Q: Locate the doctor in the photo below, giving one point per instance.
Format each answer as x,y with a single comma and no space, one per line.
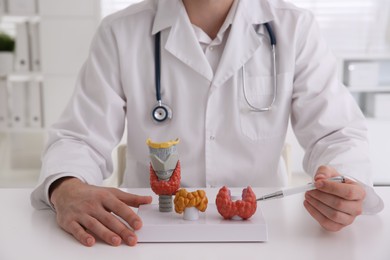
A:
217,71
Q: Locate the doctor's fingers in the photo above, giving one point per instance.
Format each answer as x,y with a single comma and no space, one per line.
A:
330,218
324,172
94,226
122,210
113,224
350,207
349,190
78,232
102,224
131,199
321,219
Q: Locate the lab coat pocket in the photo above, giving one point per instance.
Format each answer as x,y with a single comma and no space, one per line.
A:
259,92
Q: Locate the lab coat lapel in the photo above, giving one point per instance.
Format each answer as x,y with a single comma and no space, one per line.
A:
183,44
181,41
243,40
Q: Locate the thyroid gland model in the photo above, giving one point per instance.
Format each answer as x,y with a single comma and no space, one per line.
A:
190,203
164,172
231,207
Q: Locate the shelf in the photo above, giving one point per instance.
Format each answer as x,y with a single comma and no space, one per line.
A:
19,178
377,119
8,18
27,130
27,76
381,89
356,56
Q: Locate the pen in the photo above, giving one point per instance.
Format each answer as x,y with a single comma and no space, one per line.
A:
299,189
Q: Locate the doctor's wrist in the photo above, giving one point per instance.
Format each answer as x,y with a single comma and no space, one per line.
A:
59,184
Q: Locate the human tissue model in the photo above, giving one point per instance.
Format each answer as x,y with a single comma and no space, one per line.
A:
190,203
242,208
164,172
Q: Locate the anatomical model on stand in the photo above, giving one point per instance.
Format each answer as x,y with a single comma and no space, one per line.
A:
164,172
165,178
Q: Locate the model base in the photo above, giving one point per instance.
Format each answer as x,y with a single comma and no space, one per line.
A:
210,227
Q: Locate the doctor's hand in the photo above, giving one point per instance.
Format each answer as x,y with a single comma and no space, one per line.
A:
85,211
334,205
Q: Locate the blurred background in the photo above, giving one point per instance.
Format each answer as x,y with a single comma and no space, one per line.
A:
43,44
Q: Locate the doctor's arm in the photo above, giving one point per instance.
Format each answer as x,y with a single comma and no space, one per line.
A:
78,154
331,128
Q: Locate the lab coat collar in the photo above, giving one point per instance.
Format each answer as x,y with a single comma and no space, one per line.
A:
256,12
243,40
182,42
167,14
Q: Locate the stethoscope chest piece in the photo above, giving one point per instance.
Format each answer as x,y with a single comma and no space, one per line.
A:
161,112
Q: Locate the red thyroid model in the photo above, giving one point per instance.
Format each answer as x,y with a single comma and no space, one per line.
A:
244,208
165,187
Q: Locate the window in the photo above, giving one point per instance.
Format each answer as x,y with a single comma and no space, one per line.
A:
110,6
352,25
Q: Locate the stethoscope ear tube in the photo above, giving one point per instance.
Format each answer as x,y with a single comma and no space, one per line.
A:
271,34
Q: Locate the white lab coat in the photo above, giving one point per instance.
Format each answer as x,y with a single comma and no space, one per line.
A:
222,141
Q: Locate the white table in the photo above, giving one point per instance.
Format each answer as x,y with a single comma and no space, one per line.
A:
29,234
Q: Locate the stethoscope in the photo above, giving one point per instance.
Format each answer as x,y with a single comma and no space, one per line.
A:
252,107
161,112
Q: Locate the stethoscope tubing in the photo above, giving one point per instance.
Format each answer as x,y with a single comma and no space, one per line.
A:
161,112
157,65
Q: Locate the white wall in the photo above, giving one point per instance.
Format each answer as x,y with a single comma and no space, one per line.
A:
378,134
67,28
